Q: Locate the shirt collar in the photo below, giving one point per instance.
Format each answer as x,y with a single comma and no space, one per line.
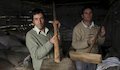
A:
40,31
92,25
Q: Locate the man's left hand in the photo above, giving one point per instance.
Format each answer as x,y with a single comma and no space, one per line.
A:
102,33
58,23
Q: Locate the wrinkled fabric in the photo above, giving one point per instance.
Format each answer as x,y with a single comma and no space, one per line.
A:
109,62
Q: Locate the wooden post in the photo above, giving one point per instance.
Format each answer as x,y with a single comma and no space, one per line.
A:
56,45
56,64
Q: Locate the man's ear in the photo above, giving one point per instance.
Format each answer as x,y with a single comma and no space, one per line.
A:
32,21
82,15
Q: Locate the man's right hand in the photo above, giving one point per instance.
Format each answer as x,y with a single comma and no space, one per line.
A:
52,39
90,41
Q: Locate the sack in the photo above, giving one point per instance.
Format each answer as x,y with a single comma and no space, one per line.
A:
25,65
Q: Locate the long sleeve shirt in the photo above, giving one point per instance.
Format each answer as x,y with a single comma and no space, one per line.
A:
39,46
81,34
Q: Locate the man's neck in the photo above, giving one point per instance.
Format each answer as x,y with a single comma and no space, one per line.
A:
43,29
88,23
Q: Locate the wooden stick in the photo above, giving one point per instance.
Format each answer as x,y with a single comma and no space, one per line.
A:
90,48
56,45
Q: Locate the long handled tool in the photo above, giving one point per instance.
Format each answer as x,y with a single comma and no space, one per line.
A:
56,63
56,45
88,57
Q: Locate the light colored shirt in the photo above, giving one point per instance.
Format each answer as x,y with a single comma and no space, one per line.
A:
92,25
40,31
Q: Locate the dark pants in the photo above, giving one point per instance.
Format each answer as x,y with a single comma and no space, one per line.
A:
85,66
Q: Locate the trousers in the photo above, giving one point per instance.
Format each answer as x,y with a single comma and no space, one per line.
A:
85,66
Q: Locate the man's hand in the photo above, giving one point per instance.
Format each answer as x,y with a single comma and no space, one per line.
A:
102,33
90,41
58,23
52,39
58,38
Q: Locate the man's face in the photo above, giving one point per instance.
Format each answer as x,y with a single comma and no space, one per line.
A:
87,15
38,20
